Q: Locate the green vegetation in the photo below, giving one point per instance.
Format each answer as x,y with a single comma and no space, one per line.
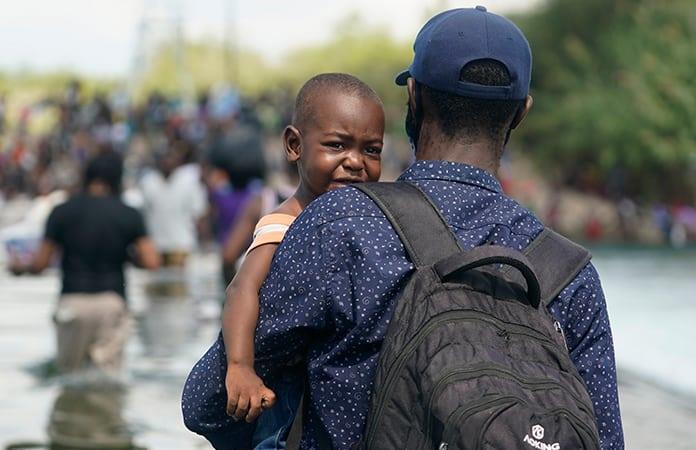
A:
615,105
202,65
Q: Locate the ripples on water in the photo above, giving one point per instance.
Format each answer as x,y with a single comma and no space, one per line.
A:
139,410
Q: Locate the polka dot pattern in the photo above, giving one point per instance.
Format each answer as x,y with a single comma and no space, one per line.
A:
334,279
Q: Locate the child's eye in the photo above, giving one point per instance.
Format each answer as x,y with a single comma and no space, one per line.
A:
373,150
335,145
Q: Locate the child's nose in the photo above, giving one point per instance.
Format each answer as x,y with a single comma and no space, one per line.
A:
353,161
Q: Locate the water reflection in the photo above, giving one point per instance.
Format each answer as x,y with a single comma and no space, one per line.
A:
87,415
169,319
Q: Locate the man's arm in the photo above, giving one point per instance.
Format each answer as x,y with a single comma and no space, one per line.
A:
53,235
145,255
42,259
582,310
292,300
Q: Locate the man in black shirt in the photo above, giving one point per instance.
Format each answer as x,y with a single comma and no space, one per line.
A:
95,233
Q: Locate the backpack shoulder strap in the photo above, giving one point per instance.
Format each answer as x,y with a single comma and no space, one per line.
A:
419,224
294,438
556,260
426,237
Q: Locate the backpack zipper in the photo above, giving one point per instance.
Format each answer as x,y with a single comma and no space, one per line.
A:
424,331
559,329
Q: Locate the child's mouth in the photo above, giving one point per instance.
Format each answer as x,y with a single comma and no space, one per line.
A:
342,182
346,181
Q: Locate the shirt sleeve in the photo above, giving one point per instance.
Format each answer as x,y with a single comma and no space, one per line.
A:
54,227
582,310
292,301
138,226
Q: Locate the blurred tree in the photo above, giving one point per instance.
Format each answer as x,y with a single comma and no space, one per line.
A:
203,67
615,106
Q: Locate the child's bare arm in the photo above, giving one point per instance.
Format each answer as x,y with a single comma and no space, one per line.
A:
241,311
246,394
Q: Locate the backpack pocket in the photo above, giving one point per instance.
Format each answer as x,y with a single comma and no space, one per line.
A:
461,418
505,423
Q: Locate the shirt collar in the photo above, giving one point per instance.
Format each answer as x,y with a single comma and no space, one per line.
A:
451,171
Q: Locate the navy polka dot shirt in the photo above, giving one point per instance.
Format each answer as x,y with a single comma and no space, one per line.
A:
334,278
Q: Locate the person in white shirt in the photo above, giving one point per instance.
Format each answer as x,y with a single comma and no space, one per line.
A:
173,201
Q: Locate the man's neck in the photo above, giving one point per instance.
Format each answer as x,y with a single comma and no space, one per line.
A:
481,154
98,189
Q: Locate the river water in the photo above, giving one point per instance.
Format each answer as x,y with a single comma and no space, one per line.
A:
650,296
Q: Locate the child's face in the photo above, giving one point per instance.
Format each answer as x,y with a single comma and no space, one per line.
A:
342,144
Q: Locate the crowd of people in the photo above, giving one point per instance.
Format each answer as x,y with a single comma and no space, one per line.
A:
188,167
109,184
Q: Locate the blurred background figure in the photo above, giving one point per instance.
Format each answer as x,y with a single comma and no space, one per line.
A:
262,203
236,166
94,232
173,202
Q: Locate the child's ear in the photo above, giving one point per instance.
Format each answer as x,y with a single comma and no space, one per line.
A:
292,142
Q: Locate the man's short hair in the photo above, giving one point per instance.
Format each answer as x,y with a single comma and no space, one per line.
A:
321,84
107,168
460,117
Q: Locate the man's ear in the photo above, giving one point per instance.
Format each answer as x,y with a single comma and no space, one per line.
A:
522,112
411,88
292,142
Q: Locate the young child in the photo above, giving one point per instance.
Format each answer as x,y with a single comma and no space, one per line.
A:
335,139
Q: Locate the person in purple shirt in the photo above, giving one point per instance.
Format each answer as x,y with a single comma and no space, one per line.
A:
336,276
234,173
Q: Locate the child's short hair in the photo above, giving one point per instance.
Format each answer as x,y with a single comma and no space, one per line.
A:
318,84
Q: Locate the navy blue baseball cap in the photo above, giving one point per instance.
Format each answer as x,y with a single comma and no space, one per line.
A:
454,38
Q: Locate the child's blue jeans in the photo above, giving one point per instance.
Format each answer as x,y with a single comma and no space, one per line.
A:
204,402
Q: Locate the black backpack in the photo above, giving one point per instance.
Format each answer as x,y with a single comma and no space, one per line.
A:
472,358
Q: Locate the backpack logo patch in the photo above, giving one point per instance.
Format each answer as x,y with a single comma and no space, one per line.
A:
537,436
538,432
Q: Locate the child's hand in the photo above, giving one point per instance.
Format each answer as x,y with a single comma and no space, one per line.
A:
247,396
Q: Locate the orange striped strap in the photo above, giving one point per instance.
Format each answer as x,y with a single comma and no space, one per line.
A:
271,229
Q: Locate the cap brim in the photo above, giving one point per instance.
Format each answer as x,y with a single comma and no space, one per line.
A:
402,77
